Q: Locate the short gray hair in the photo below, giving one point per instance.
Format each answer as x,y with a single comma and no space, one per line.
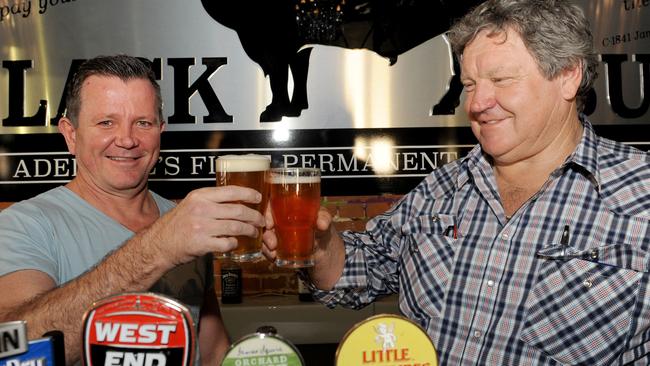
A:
122,66
555,32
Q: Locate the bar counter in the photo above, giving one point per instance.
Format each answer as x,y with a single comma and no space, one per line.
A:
299,322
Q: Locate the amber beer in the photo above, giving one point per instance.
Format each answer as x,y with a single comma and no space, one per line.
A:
295,199
246,171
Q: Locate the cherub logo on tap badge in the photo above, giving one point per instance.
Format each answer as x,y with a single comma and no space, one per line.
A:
386,340
138,329
385,336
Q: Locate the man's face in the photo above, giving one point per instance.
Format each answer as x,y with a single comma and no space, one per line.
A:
117,140
516,113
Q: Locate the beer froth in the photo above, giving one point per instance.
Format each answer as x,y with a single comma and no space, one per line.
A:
242,163
292,179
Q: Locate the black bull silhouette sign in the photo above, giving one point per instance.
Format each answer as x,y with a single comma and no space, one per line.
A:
277,36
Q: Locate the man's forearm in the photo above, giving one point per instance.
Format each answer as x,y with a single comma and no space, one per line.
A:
132,267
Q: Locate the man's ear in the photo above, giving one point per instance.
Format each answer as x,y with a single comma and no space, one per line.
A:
68,131
163,125
571,79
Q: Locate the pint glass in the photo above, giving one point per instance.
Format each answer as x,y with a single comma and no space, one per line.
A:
295,199
246,171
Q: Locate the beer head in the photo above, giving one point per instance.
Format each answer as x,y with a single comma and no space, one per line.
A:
242,163
294,176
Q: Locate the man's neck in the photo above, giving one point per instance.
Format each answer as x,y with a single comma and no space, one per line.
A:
134,209
519,181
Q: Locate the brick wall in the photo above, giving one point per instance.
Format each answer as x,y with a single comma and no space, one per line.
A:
349,212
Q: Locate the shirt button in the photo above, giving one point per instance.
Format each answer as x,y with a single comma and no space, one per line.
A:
490,283
477,334
435,218
505,236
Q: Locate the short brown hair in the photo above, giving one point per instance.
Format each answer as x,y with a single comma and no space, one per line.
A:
122,66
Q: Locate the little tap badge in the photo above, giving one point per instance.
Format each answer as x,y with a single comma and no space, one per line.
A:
386,340
138,329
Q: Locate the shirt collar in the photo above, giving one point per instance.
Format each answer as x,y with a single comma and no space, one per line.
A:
585,155
473,158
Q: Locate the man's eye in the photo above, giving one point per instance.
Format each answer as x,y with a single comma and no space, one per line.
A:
105,123
502,80
468,86
144,124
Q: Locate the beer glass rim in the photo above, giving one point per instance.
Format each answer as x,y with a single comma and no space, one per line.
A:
279,169
312,172
243,157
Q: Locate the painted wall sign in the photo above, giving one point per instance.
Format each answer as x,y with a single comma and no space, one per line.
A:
364,90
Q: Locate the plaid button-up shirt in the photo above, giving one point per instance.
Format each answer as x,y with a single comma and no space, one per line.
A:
564,281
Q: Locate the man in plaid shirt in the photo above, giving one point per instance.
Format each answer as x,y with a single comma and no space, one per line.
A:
532,249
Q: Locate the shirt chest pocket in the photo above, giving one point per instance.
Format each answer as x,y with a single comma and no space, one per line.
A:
427,256
580,311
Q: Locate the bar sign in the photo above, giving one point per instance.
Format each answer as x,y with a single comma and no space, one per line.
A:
13,338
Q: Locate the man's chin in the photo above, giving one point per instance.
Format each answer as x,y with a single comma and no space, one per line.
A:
129,185
497,151
493,146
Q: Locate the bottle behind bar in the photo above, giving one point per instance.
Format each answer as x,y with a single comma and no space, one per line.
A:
231,282
303,291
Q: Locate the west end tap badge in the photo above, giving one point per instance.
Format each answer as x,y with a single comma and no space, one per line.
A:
139,329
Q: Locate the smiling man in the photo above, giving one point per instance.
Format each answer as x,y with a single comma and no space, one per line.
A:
532,249
105,232
525,121
114,154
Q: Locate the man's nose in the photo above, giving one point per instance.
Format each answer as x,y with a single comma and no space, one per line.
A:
126,137
482,98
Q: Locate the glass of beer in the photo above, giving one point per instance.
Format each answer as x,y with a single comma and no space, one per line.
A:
295,200
247,171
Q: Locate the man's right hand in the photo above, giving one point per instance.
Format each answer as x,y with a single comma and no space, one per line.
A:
207,220
329,252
